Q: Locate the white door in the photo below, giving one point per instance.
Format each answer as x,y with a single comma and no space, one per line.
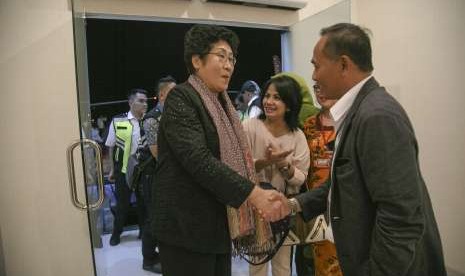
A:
41,231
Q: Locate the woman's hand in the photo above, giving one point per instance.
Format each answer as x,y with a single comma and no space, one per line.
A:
273,155
286,169
271,204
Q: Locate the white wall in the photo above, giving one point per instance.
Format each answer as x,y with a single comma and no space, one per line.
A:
303,35
200,10
419,56
2,258
192,10
316,6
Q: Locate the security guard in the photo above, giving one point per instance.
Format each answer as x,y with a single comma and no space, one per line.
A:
123,137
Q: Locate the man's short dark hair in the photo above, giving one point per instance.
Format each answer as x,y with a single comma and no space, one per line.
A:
163,82
132,93
250,86
289,91
200,39
350,40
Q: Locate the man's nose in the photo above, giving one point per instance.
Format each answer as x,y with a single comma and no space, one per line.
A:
313,76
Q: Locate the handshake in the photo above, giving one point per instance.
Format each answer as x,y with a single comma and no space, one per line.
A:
271,204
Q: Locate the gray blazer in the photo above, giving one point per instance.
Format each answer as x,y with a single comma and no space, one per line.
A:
381,214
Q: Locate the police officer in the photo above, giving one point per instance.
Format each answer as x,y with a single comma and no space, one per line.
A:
123,137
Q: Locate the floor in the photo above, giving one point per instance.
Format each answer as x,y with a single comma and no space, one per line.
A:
126,259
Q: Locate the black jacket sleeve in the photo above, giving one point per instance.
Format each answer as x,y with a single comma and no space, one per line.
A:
314,202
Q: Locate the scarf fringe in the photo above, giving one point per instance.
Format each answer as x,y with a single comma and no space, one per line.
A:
255,252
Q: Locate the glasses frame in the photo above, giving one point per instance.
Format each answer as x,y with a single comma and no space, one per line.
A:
223,58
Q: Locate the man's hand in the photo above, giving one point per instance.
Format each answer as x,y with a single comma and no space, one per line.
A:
269,204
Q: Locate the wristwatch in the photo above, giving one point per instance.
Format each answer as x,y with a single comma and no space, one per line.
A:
293,206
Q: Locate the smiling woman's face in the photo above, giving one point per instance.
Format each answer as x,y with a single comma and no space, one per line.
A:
273,105
214,72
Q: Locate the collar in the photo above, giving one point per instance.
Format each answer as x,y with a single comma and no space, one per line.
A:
159,107
339,110
131,116
251,100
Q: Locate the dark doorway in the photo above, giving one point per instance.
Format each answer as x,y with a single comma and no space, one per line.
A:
125,54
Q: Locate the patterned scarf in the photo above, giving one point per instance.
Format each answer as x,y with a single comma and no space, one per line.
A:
250,235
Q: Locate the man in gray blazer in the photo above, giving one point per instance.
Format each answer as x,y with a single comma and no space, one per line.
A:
379,211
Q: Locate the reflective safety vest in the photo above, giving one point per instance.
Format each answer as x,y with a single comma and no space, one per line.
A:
123,130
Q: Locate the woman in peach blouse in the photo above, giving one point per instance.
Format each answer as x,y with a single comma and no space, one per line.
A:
280,151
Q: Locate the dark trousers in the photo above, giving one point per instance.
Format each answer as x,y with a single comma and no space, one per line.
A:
177,261
304,260
123,204
144,199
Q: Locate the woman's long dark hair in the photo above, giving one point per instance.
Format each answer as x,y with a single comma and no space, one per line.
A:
289,91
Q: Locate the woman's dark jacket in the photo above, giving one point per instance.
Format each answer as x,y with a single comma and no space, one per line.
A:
192,186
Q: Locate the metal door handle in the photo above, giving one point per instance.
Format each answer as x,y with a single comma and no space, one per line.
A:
72,175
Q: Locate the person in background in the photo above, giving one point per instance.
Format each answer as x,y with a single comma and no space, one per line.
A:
308,108
320,134
147,157
94,133
380,215
205,180
250,92
241,107
275,133
101,124
303,253
122,141
164,86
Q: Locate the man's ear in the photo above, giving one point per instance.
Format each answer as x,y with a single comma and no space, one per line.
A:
347,65
344,60
196,62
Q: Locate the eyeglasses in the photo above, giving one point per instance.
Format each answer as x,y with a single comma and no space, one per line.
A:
223,57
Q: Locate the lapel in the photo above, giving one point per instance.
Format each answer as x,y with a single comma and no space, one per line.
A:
370,85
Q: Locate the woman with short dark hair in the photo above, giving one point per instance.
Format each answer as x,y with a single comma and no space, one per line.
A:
205,180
